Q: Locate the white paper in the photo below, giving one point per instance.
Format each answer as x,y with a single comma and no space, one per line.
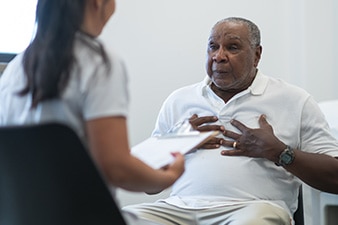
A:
156,151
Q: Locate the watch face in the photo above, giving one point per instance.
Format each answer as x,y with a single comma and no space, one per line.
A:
286,158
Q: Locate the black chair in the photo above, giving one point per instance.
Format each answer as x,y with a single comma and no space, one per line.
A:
299,214
48,178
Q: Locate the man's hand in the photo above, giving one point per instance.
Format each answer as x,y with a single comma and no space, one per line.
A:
257,143
204,124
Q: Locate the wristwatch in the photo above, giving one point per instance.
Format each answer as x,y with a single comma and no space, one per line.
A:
286,157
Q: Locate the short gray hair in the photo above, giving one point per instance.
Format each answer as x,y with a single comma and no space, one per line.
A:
254,33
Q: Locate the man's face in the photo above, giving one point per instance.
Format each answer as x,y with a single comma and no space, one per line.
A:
231,60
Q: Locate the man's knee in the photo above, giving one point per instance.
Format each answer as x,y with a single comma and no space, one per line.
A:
261,214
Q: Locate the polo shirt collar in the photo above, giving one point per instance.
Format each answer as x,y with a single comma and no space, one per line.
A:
259,84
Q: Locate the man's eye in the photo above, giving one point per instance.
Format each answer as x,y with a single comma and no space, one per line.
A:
212,47
233,47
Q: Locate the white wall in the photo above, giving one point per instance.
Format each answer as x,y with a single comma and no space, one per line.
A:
164,42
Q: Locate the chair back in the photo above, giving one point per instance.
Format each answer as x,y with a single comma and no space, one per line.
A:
298,216
48,178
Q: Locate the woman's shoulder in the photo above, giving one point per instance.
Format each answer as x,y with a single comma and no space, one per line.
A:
14,70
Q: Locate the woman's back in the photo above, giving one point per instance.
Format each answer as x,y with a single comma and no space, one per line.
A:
93,90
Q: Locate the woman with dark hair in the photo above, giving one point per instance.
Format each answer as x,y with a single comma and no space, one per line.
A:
65,75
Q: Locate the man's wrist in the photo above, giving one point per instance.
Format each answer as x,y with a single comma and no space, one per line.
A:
286,157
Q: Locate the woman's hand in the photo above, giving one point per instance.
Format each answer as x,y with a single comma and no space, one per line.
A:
172,171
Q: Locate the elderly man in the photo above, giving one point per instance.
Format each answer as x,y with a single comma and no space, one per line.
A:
273,137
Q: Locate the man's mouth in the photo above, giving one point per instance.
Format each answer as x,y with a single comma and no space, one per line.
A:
220,71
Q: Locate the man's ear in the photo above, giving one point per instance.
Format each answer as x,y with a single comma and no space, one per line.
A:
258,53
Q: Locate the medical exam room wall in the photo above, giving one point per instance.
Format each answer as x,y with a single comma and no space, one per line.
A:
164,43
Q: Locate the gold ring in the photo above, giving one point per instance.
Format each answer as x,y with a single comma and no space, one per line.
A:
234,144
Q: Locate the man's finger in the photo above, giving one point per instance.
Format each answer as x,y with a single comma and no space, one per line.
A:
263,123
205,119
194,116
231,134
233,153
239,125
210,127
210,146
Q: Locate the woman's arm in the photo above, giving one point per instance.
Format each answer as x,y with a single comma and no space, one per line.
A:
109,147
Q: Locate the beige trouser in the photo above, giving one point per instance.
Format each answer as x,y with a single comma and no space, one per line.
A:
241,214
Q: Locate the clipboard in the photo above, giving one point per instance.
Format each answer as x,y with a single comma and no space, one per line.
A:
156,151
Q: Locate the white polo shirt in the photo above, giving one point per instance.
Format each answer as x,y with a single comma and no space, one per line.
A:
211,179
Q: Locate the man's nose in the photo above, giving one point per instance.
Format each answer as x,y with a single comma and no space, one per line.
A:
220,55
